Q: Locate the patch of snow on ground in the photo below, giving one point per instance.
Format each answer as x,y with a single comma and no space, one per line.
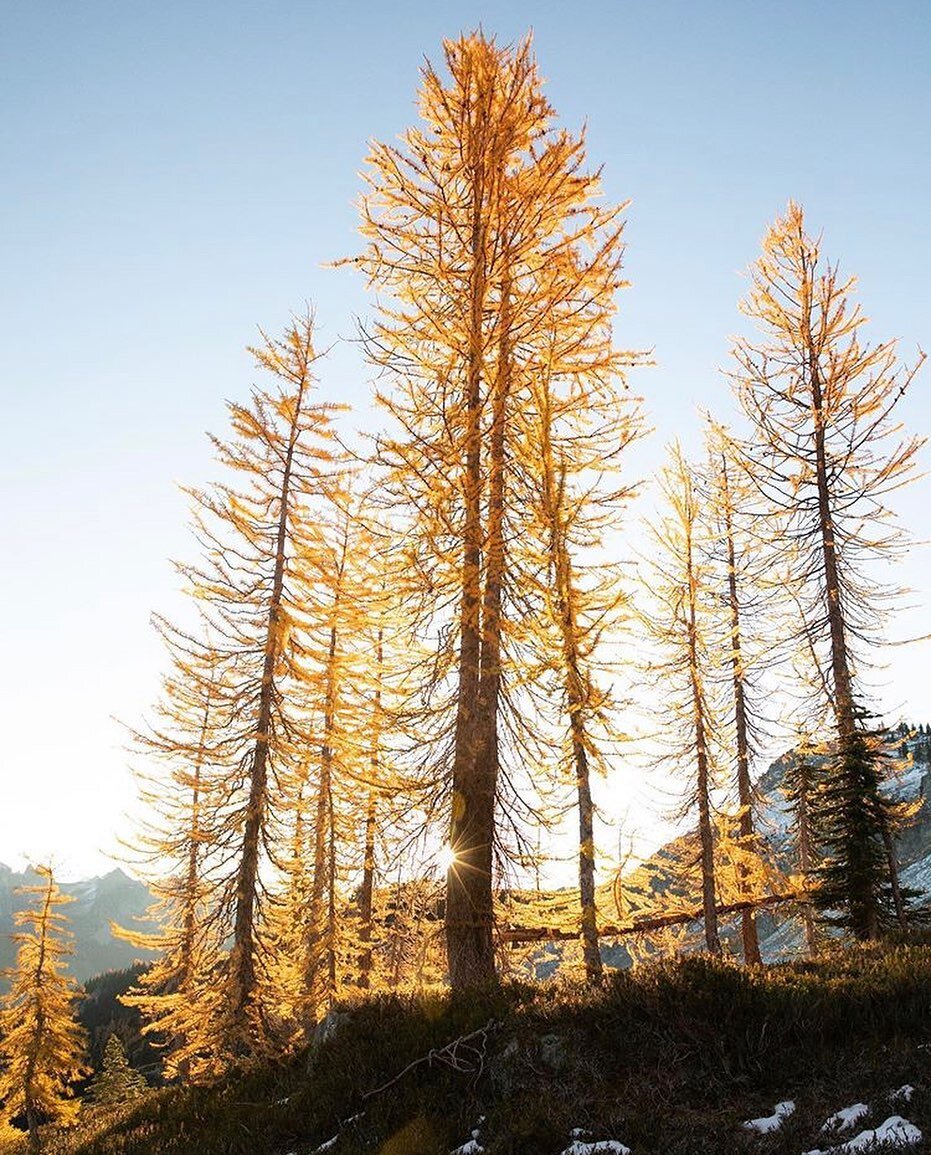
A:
845,1118
578,1146
894,1132
470,1146
331,1142
769,1123
902,1095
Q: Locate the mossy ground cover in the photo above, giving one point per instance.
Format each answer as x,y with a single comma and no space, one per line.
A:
668,1059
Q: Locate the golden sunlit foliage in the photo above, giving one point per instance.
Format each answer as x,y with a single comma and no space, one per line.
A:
825,455
410,662
42,1047
189,755
242,678
679,624
498,265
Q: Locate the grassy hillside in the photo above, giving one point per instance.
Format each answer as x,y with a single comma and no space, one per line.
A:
669,1058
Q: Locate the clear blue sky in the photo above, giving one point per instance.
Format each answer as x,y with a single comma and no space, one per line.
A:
174,174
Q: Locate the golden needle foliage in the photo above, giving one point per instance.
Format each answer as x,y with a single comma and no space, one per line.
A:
42,1047
484,234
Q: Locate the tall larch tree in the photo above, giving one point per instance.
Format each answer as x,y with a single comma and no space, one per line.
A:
461,220
42,1046
678,616
256,531
337,754
827,453
740,565
582,424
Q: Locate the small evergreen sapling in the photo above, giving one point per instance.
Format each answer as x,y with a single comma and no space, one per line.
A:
858,879
117,1081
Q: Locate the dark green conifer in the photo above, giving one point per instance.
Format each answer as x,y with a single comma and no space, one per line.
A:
858,886
117,1081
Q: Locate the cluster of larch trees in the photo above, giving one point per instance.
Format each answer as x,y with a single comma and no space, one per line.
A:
415,641
378,647
766,566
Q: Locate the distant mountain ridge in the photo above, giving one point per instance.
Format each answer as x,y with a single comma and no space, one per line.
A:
97,901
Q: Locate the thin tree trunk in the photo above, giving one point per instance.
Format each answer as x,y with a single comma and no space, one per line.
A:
469,912
193,863
32,1125
866,925
320,883
397,939
38,1042
576,696
703,776
331,901
899,903
366,896
749,936
242,956
706,836
192,878
322,930
591,952
840,668
317,889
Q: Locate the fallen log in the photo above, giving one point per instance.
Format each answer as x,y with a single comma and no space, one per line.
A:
516,934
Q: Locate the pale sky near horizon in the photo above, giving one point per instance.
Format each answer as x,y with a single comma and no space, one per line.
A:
176,174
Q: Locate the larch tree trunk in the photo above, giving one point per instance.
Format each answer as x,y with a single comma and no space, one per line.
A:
865,901
748,931
576,686
324,847
803,837
469,908
366,896
367,889
702,765
242,956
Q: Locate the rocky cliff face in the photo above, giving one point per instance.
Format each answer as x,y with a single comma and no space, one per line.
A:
97,901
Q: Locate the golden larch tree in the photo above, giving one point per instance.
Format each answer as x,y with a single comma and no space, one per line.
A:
678,616
582,425
256,531
827,453
739,567
187,755
42,1046
463,221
